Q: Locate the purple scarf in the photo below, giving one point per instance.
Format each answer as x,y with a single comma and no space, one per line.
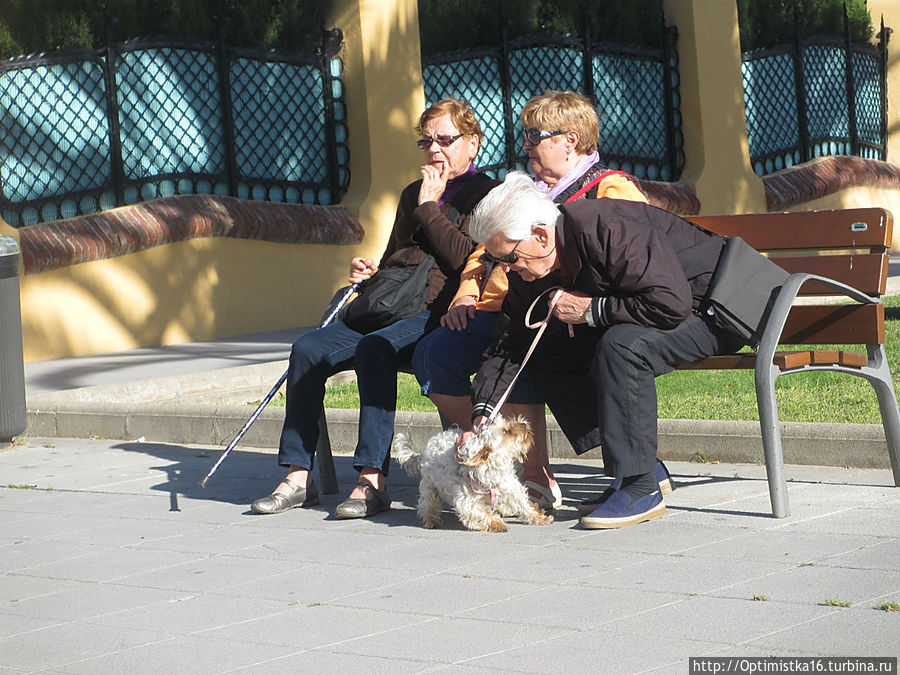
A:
454,185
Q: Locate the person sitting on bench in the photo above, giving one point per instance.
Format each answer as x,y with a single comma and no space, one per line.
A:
432,219
633,277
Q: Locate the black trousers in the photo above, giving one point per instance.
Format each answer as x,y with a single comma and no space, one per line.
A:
601,385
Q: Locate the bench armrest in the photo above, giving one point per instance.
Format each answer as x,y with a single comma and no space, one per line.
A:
785,300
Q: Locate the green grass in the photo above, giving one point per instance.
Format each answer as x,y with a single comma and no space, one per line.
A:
889,607
835,602
720,394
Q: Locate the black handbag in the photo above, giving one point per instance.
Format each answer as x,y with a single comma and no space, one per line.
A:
391,294
742,290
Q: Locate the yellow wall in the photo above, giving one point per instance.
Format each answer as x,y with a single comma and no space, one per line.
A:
177,293
218,287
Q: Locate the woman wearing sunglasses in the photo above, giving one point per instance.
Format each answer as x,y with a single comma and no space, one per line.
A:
432,219
560,137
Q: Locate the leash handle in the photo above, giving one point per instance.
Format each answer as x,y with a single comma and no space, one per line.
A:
541,326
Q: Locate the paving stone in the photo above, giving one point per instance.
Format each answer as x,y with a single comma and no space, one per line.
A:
323,626
182,614
450,640
682,574
195,654
862,631
68,643
572,607
812,584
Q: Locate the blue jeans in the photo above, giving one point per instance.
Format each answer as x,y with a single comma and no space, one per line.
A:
445,359
375,358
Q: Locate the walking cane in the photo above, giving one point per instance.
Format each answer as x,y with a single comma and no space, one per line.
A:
271,394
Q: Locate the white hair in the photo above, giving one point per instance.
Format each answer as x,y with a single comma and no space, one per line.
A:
511,209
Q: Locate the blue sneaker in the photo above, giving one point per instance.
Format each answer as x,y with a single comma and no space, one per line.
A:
660,472
620,509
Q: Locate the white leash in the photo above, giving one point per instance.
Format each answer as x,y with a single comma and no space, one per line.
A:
541,326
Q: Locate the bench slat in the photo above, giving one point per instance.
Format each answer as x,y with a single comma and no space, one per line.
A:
835,325
816,229
784,360
866,272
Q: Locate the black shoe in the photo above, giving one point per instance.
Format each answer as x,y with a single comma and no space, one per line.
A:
277,502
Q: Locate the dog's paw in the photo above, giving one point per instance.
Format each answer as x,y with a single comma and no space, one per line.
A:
432,524
495,525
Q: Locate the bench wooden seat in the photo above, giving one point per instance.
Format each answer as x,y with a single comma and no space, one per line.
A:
840,253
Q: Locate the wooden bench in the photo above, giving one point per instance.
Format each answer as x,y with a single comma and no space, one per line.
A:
828,253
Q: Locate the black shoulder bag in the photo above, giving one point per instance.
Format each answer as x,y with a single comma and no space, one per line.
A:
742,290
391,294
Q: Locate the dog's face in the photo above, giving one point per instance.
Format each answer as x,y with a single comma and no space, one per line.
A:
505,440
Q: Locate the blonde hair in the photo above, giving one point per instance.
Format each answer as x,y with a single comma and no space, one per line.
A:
461,114
564,111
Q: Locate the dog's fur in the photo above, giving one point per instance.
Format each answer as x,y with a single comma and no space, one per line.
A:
482,485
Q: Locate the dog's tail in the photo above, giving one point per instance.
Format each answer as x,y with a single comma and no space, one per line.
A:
405,455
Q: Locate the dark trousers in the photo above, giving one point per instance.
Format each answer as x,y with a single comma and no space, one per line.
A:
601,385
375,358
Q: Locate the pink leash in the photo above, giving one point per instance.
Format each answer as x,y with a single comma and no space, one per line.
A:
541,326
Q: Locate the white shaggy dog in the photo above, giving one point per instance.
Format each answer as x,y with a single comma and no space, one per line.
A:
482,484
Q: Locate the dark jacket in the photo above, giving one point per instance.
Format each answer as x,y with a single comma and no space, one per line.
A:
652,267
425,230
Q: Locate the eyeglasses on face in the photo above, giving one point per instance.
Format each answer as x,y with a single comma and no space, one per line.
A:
510,258
443,141
534,135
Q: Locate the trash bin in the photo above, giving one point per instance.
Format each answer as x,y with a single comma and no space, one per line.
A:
12,367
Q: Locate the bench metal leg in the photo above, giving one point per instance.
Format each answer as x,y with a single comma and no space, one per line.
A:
327,475
880,378
770,428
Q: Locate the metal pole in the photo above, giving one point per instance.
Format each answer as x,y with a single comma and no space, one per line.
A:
506,91
12,369
800,92
112,113
223,59
851,86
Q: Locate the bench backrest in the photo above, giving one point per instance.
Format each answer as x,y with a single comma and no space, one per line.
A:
847,245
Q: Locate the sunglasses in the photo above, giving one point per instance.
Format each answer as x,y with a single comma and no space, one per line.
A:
443,141
534,135
510,258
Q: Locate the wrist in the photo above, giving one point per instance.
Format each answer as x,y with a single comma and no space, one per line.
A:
593,313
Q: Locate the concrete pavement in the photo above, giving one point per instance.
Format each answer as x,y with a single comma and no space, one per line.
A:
115,561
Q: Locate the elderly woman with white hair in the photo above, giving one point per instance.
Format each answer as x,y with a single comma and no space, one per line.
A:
632,278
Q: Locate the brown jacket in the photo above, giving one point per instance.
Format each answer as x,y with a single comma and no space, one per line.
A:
422,230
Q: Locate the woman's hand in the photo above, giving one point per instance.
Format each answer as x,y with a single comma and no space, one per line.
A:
466,436
571,307
460,313
434,182
361,269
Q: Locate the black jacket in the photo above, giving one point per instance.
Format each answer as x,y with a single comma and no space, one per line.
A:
652,267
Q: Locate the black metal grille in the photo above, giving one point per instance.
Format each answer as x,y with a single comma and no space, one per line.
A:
636,91
802,102
42,107
84,132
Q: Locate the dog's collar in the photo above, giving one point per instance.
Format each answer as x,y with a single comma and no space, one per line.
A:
490,495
